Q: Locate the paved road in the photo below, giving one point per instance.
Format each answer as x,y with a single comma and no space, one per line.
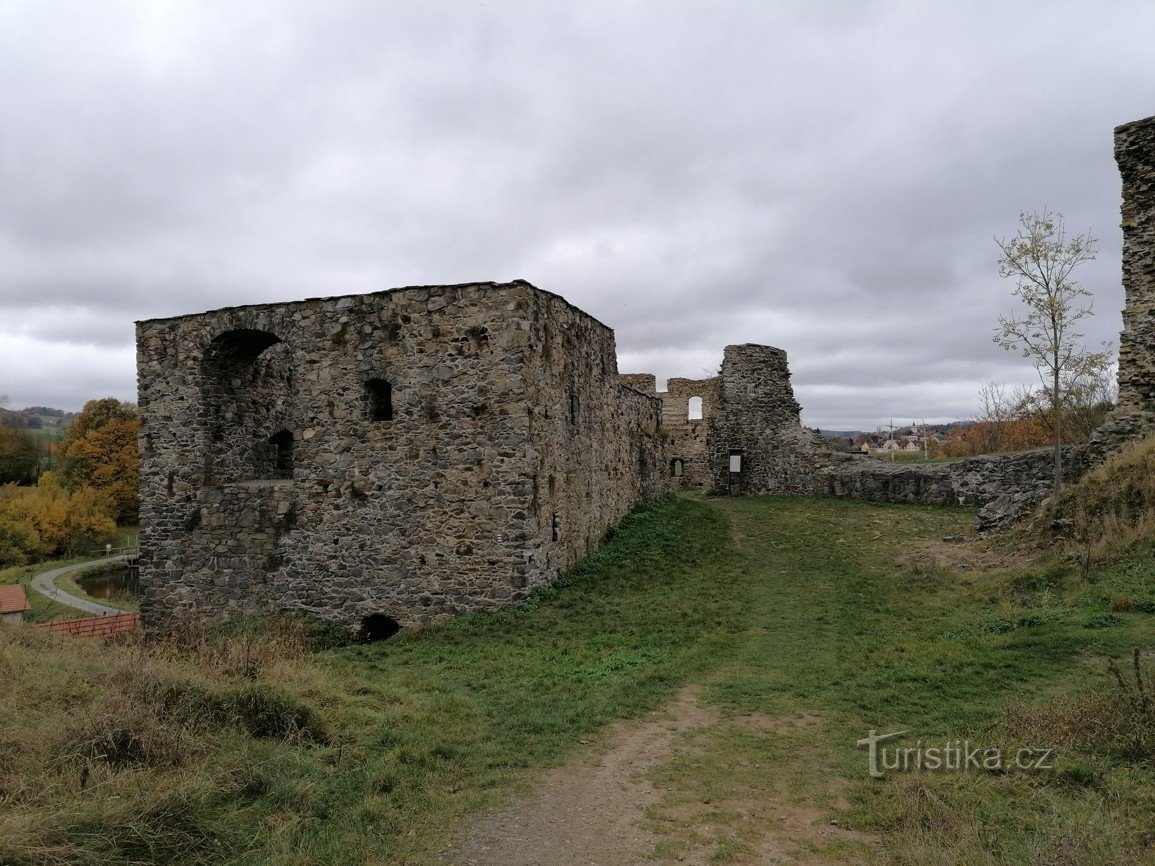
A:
44,584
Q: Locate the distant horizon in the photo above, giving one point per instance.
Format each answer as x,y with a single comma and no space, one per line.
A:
876,428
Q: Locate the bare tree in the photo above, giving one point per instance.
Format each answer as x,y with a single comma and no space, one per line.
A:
1088,399
1041,259
996,412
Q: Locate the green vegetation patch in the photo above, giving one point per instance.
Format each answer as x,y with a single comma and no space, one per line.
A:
803,623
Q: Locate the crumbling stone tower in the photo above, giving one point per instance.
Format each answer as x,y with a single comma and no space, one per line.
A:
757,442
744,434
381,460
1135,411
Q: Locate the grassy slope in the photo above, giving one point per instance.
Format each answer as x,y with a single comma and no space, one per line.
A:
259,754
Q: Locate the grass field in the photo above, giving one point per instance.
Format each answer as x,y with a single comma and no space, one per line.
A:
850,616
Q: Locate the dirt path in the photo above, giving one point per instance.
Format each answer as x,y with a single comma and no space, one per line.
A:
597,809
586,812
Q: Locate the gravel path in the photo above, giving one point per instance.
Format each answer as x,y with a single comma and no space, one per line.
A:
46,586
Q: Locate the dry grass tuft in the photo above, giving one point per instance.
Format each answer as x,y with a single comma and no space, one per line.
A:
1117,721
1111,507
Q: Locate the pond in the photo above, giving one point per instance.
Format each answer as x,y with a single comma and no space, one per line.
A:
120,583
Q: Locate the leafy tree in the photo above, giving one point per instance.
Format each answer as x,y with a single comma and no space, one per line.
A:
99,450
48,520
19,456
1041,259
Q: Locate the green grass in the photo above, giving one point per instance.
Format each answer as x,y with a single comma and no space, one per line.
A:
46,434
246,752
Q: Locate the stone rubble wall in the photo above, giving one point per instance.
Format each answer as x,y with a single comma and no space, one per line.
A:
687,437
442,509
758,419
1005,487
595,449
1134,415
644,383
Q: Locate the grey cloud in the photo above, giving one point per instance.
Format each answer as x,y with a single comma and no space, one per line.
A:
825,177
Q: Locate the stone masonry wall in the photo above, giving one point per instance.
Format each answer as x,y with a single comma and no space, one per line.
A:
384,454
748,409
757,421
1135,410
1005,486
686,436
595,453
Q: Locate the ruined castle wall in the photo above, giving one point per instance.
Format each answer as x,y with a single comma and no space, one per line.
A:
374,454
757,422
1135,410
687,437
595,449
646,383
1018,481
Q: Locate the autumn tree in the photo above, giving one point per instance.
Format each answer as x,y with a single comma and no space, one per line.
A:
19,456
99,450
1089,399
1041,258
48,520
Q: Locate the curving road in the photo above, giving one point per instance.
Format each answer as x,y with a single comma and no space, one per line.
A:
45,585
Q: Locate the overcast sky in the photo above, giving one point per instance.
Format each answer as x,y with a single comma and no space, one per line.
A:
825,177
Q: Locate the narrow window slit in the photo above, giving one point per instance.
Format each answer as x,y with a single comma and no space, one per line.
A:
379,395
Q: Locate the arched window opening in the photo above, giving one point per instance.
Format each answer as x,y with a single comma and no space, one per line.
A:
695,409
677,467
376,627
240,346
379,398
247,389
281,458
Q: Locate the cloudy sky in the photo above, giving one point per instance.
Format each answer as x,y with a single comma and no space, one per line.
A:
822,176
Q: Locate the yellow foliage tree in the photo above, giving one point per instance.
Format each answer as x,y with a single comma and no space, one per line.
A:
99,450
49,520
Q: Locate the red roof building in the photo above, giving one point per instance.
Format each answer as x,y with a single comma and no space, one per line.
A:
13,603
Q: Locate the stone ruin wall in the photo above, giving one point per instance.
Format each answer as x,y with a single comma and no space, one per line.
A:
748,410
595,450
1134,414
268,486
689,437
759,424
686,438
